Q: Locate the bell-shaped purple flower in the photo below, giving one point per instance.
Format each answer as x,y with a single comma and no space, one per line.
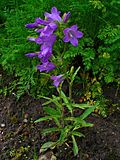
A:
49,29
40,21
39,40
45,54
31,25
71,35
47,66
66,16
31,55
57,80
54,16
48,41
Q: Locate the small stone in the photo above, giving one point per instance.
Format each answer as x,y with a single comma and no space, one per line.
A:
13,94
25,120
2,125
48,156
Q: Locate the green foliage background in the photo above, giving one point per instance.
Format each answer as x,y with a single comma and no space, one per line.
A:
98,51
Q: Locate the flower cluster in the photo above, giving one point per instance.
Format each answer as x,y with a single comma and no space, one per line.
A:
47,37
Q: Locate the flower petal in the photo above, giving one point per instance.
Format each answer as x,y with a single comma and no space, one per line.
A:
56,83
74,41
39,40
66,39
65,31
57,80
79,34
56,77
74,27
54,10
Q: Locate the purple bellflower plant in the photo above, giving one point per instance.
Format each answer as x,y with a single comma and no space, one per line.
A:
51,60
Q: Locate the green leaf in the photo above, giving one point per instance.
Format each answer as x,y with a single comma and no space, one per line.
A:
62,137
86,124
81,123
47,102
81,106
87,112
66,101
43,119
56,120
50,130
69,119
78,122
45,74
64,97
74,75
47,145
75,147
75,133
54,100
44,97
64,134
52,111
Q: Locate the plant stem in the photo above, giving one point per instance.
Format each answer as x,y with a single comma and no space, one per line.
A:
70,90
116,93
62,108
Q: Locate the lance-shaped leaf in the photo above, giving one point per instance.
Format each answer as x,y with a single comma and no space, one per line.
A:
81,106
50,130
54,100
74,75
43,119
53,112
78,134
75,147
87,112
66,101
64,134
47,145
79,123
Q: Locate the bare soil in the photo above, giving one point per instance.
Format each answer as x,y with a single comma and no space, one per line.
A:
21,139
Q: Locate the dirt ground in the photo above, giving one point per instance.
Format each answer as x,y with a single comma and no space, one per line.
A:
21,139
